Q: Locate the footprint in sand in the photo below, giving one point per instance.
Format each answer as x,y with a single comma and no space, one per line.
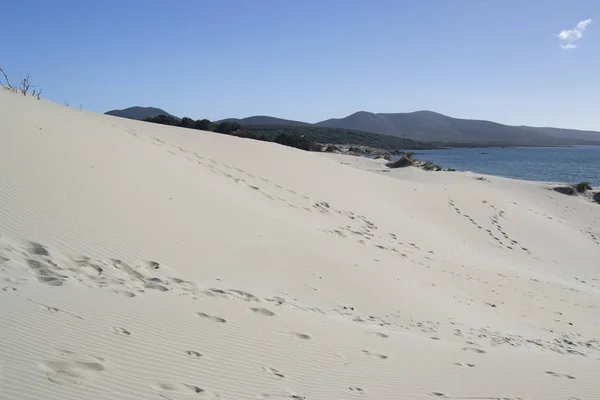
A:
244,295
71,371
153,264
153,284
38,250
211,317
356,390
474,350
303,336
45,272
239,294
193,354
177,387
379,334
282,396
557,375
262,311
121,331
464,365
124,293
382,356
273,372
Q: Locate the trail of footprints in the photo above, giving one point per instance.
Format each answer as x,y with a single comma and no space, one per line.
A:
150,276
363,233
358,226
70,368
118,276
503,239
594,235
78,370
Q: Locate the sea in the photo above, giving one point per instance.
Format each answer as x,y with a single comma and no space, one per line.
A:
572,164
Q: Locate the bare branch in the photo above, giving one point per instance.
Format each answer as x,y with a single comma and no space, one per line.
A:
39,93
25,85
6,77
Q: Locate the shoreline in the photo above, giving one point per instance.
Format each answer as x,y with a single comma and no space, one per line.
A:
388,157
378,165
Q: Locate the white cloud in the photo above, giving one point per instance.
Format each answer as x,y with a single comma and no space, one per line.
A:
568,36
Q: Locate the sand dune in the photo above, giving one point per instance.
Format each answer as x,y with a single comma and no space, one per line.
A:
140,261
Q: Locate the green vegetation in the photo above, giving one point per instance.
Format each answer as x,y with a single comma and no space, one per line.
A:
308,137
235,129
303,137
228,128
297,141
583,187
572,190
340,136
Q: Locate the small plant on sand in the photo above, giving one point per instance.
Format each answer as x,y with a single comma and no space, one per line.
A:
24,85
8,85
583,187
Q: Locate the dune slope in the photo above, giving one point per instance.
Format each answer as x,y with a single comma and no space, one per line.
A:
140,261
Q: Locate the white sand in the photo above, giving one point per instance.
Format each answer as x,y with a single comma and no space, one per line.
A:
140,261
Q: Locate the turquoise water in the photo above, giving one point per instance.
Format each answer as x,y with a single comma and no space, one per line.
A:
552,164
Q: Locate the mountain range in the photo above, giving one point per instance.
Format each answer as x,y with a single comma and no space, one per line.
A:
424,126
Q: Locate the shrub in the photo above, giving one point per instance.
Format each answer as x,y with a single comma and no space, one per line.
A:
203,125
297,141
164,120
583,187
228,127
186,122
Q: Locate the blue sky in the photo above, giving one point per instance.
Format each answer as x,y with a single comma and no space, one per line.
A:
313,59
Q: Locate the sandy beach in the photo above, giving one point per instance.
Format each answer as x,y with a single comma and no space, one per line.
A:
141,261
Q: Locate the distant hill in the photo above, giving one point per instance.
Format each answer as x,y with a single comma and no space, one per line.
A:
430,126
337,136
140,113
421,126
265,120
